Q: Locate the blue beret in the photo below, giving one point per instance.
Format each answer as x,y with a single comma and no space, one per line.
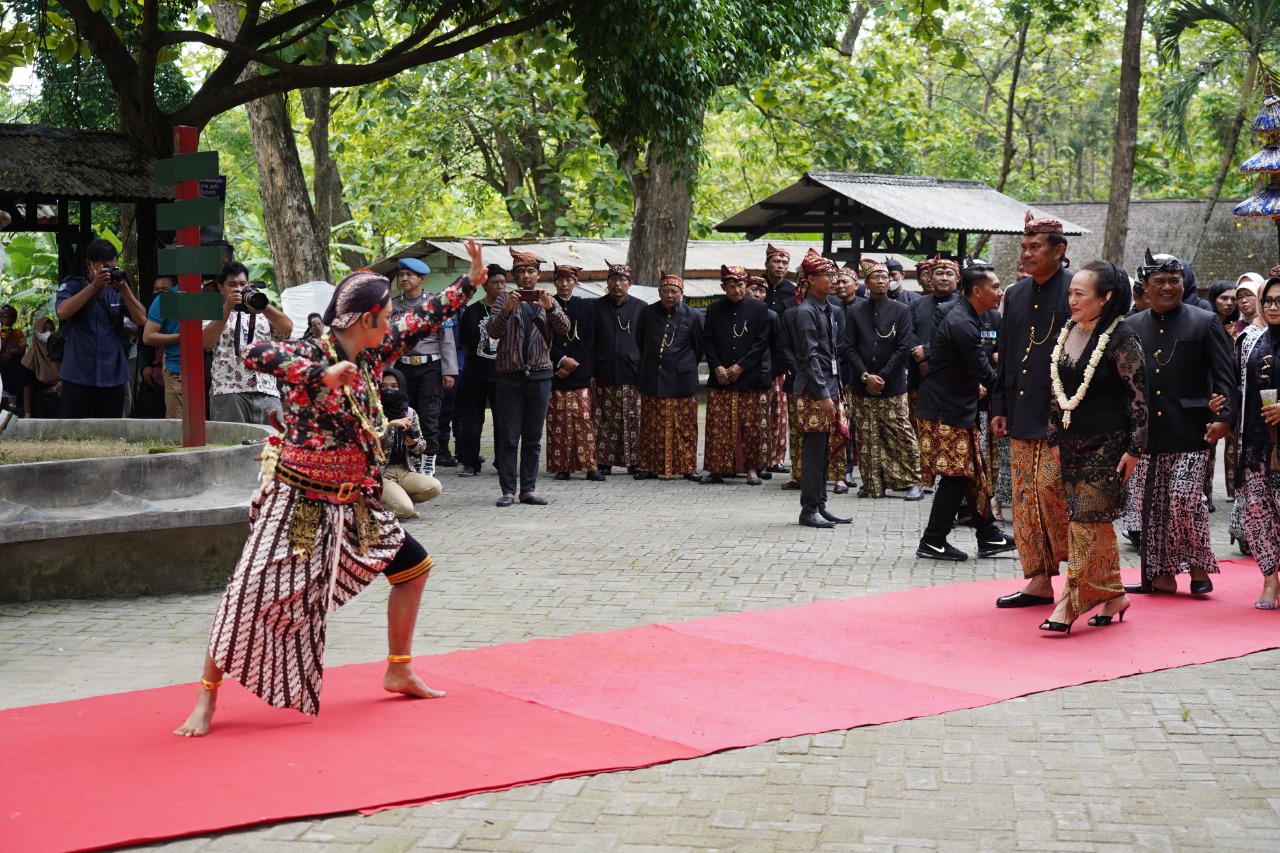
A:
415,265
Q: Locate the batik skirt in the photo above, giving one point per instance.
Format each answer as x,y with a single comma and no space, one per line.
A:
571,436
615,414
669,435
1259,499
805,415
777,430
1175,518
888,454
737,436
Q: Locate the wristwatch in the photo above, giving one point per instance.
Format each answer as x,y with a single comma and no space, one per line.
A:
864,377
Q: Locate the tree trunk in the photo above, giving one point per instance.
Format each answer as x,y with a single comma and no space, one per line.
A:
1229,154
1006,160
1117,231
331,208
298,253
660,223
854,26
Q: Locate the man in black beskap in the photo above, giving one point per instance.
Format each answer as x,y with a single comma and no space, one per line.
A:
669,334
946,421
479,378
571,437
736,340
615,400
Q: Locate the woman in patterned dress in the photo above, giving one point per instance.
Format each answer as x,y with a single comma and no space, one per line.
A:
319,532
1098,431
1258,476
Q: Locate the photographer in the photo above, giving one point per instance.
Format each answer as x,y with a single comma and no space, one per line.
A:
95,364
237,394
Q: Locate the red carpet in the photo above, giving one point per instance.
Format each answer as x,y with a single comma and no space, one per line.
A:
104,772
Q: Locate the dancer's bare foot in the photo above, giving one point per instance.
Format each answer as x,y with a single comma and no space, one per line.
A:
197,725
400,678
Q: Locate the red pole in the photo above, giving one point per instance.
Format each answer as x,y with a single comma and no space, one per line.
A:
186,140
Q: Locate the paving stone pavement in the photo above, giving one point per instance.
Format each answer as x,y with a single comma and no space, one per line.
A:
1182,759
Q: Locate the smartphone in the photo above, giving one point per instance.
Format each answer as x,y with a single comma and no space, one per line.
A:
528,295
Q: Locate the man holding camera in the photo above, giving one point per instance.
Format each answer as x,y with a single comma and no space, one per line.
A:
95,362
237,394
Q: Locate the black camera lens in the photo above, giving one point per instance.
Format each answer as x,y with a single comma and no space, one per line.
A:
254,300
117,274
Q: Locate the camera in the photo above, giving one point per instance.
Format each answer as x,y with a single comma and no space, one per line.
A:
253,300
117,274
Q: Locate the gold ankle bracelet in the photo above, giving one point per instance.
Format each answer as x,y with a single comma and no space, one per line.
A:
210,685
399,658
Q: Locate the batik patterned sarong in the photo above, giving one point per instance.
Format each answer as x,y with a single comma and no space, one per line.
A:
1259,499
947,451
1093,566
1039,507
806,416
615,414
888,455
571,435
269,630
1175,516
777,432
669,435
737,437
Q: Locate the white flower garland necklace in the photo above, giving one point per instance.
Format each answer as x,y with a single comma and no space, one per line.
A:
1069,405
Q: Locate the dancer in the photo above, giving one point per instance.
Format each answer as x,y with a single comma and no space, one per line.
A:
1097,431
1258,479
318,531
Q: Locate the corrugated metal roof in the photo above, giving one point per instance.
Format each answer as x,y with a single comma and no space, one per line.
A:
926,204
52,163
703,258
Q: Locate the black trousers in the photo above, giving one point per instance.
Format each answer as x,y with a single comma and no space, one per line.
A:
426,394
475,394
518,422
813,473
449,413
89,401
946,502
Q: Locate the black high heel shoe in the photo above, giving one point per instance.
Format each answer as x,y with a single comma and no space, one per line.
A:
1102,620
1057,627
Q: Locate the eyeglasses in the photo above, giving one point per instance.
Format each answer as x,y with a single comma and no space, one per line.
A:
1271,302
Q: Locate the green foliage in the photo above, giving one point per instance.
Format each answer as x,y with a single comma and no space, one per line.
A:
30,273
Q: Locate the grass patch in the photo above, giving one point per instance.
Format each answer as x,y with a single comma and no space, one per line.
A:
16,451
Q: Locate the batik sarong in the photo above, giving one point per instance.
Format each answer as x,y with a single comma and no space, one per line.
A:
615,414
1175,517
806,416
777,433
737,437
1228,463
1039,507
947,451
852,445
668,435
304,559
571,435
1259,498
1093,567
889,456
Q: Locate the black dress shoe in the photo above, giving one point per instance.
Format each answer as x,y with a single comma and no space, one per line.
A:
781,469
1134,537
815,519
754,481
832,517
713,479
641,474
850,481
562,475
1203,587
533,500
915,493
863,493
594,476
444,460
1146,588
840,489
1022,599
791,486
766,474
694,477
467,471
945,551
605,470
505,500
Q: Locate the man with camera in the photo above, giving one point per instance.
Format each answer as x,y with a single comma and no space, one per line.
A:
237,394
95,362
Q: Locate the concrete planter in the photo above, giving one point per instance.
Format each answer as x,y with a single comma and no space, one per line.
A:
125,526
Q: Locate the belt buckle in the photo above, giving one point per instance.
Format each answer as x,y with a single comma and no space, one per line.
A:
346,490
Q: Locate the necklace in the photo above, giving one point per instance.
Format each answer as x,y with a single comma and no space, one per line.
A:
626,328
1069,405
1031,338
738,334
371,417
893,330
